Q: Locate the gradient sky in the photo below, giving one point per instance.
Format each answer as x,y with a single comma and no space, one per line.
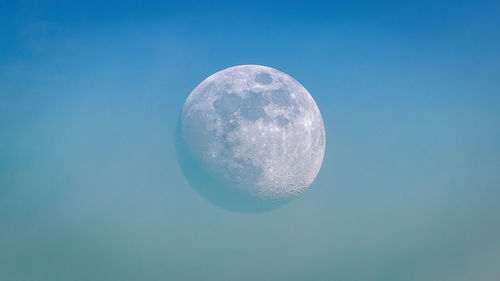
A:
90,187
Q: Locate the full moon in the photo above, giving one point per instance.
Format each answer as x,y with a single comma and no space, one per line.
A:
256,131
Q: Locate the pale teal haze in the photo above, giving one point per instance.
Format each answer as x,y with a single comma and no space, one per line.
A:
92,188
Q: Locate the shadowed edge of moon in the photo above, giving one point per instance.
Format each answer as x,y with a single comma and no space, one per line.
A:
213,190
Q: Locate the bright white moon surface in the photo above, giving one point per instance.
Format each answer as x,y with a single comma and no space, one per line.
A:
256,130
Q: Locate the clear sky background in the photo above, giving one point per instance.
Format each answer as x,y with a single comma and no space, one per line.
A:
90,187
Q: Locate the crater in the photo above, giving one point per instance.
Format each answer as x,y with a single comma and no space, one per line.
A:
227,105
282,120
252,108
263,78
281,97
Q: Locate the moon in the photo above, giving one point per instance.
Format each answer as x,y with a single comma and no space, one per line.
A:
254,131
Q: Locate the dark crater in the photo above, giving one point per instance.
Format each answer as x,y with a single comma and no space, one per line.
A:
263,78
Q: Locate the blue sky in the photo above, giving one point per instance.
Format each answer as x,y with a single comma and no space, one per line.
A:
90,187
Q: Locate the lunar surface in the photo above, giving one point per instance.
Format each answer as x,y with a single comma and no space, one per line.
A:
255,130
